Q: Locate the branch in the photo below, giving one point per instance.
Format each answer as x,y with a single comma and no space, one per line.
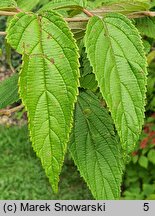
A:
78,19
8,112
7,13
2,33
137,14
88,13
97,12
141,14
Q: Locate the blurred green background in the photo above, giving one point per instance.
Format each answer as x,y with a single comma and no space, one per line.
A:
21,174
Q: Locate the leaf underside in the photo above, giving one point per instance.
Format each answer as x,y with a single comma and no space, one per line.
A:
48,83
94,148
116,53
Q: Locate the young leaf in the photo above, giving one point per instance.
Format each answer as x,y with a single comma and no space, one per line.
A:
116,53
48,83
59,4
94,148
9,91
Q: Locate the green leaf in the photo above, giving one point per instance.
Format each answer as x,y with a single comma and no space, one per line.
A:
121,74
59,4
146,26
9,91
94,148
147,46
151,197
150,57
78,29
143,161
148,189
89,82
151,156
121,5
85,67
135,159
87,79
78,34
27,5
8,55
7,4
152,3
48,83
43,2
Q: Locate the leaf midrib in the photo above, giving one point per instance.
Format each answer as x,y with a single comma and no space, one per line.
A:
45,90
121,101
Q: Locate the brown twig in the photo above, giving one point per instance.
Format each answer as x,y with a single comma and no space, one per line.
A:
140,14
8,112
7,13
18,9
79,19
137,14
88,13
146,13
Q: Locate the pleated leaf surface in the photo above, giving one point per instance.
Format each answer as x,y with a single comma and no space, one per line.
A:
48,83
95,149
116,53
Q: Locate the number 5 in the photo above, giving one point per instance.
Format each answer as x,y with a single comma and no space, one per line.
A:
146,207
